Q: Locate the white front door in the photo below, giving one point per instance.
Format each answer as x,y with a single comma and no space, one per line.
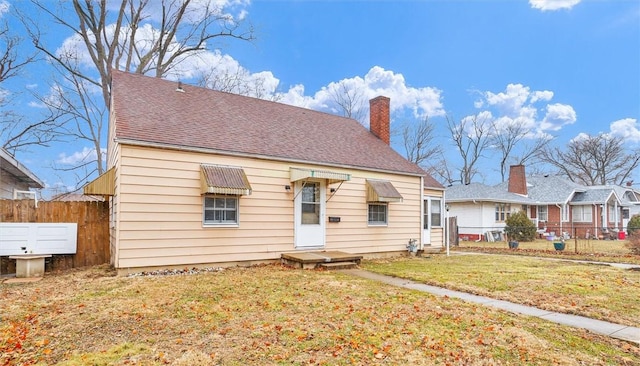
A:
426,223
309,214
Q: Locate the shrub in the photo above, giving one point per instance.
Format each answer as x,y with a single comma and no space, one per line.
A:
520,228
633,242
633,225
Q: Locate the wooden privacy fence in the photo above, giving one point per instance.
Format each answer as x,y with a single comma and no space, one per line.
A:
93,229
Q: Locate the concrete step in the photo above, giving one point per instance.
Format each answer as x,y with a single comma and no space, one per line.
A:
338,265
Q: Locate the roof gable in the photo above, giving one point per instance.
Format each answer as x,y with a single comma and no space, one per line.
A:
151,110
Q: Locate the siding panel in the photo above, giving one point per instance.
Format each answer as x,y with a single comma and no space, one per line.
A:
160,211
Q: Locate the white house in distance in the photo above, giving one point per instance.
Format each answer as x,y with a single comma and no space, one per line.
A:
16,181
556,205
199,177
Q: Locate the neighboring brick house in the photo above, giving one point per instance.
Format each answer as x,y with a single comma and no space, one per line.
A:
556,205
199,177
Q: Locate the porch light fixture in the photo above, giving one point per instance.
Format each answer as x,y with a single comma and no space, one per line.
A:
287,188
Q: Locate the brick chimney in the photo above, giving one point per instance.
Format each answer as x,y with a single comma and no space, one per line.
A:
517,180
379,118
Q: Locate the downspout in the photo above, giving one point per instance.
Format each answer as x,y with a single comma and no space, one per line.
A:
595,206
561,210
421,213
446,225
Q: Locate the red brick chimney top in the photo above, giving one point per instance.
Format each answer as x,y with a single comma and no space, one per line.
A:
517,180
379,118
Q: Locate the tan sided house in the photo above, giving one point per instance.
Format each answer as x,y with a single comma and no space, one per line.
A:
199,177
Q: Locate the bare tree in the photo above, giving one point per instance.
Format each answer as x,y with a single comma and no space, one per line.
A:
443,171
514,138
349,101
418,141
236,80
124,36
10,63
594,160
471,137
16,132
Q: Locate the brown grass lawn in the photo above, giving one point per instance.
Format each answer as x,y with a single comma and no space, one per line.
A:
593,250
272,315
596,291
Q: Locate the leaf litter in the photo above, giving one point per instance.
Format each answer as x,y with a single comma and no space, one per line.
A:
271,315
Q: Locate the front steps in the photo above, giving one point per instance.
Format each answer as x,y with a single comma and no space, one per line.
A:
323,259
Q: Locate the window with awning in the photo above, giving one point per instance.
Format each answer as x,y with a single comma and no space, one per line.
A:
382,191
331,177
217,179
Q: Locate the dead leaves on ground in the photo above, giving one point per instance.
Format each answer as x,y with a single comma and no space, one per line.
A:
267,315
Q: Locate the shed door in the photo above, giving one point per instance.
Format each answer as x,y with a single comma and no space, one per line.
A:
309,214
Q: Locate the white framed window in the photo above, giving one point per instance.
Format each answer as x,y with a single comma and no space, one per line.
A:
436,212
220,210
565,213
612,214
377,213
503,211
543,213
582,213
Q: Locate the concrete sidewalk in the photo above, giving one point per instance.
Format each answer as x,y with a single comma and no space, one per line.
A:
626,333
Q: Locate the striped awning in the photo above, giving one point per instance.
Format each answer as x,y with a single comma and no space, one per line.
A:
331,177
104,185
382,191
219,179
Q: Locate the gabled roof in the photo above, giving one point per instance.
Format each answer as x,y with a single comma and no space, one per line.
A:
152,111
544,190
9,165
552,189
628,196
484,193
594,196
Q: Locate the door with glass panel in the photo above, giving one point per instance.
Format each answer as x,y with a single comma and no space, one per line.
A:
309,214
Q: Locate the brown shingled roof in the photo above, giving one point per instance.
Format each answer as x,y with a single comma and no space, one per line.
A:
150,110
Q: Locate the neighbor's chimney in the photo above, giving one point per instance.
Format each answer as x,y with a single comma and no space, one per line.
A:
517,180
379,118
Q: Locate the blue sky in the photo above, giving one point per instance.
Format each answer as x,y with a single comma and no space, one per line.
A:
565,67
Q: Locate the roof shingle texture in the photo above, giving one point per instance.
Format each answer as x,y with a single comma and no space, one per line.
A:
151,110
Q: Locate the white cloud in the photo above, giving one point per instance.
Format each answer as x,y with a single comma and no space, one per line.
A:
551,5
4,7
557,116
580,137
420,102
79,157
541,95
519,105
628,129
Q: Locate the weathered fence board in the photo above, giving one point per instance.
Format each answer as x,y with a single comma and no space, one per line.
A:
93,229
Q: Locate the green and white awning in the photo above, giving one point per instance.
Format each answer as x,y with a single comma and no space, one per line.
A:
331,177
